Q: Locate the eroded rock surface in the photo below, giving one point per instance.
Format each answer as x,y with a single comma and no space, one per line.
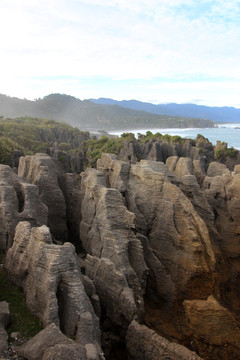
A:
19,201
160,245
214,329
46,172
51,278
51,344
145,344
5,321
176,234
115,259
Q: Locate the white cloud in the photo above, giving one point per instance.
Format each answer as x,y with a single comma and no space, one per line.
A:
118,39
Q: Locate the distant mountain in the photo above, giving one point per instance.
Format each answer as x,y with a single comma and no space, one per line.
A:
87,115
216,114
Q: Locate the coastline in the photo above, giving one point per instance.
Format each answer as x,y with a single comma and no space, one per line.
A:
224,132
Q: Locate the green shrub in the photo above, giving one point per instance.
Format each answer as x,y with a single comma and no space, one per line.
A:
231,152
22,320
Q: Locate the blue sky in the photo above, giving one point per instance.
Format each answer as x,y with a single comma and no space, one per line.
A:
156,51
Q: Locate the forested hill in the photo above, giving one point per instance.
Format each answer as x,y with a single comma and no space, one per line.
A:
216,114
87,115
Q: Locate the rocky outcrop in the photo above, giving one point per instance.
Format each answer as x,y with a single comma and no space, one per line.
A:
20,201
72,197
51,278
45,172
159,244
51,344
115,259
161,150
145,344
222,189
214,330
5,321
174,229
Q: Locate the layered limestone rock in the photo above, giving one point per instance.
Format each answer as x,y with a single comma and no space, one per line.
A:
51,278
46,173
174,236
145,344
51,344
20,201
72,196
176,233
156,239
161,150
222,189
115,260
186,166
5,321
215,332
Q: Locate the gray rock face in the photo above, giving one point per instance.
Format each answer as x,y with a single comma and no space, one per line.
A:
51,278
46,172
217,169
175,239
222,190
145,344
50,343
20,201
157,239
173,227
72,196
5,321
115,259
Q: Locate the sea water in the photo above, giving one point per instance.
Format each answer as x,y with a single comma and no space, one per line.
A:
229,133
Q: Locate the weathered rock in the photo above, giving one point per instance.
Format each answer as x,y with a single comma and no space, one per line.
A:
3,339
215,169
130,152
19,201
237,168
183,167
171,162
5,321
199,170
5,316
63,158
46,172
216,333
176,233
145,344
186,166
49,337
116,171
72,196
175,239
65,352
107,235
223,194
51,278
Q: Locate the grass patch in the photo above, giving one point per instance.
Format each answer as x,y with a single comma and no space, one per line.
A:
22,320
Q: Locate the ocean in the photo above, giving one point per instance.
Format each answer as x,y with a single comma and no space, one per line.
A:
229,133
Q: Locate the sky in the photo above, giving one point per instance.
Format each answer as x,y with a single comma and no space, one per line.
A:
183,51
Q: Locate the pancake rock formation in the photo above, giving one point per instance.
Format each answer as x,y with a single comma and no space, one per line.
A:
158,267
51,278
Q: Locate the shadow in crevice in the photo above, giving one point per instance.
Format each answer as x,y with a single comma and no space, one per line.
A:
21,198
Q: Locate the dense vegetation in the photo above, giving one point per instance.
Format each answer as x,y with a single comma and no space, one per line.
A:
22,320
94,148
31,135
88,115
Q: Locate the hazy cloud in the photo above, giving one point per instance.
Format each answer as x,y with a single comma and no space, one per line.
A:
119,40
